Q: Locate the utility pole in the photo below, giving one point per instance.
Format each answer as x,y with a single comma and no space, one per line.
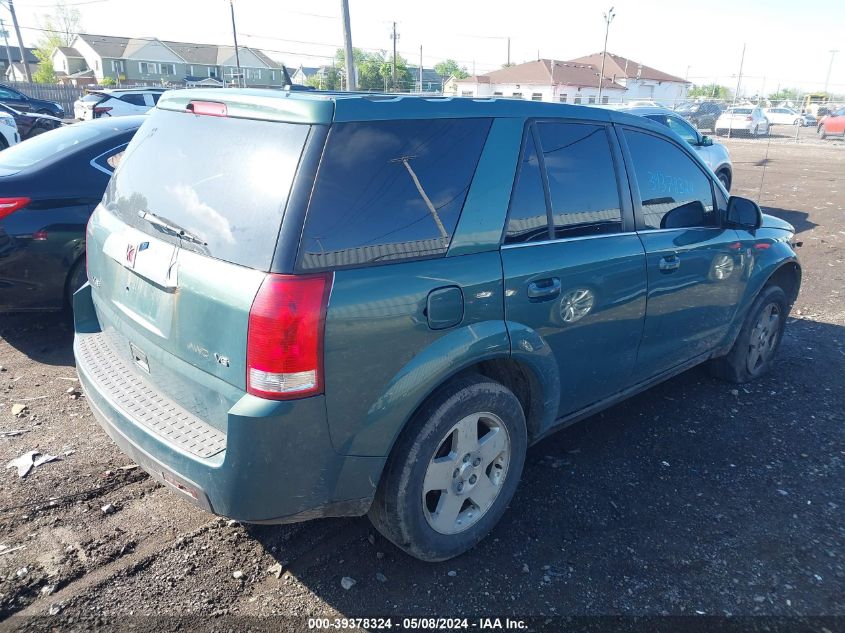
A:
509,51
24,63
829,68
738,83
6,41
394,36
347,45
235,36
608,18
421,88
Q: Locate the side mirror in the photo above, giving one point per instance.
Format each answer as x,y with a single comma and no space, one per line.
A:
706,141
744,213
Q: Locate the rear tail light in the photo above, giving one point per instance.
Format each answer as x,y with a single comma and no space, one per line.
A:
9,205
40,236
284,353
101,110
748,118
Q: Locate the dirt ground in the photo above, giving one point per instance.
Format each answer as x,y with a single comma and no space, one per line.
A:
693,498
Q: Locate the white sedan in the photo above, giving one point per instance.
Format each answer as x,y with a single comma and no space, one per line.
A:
748,120
784,116
110,102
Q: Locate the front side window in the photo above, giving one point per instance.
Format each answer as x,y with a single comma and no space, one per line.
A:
134,99
674,191
582,179
390,190
682,129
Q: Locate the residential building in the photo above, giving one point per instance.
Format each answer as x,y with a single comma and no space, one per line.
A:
542,80
150,61
641,82
431,80
302,74
15,53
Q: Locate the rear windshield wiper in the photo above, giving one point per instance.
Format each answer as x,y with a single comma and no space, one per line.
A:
171,228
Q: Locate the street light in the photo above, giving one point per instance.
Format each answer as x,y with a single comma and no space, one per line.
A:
608,18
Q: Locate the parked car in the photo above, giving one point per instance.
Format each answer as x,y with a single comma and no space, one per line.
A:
702,115
48,187
30,124
749,120
9,134
715,155
787,116
115,102
833,124
303,304
19,101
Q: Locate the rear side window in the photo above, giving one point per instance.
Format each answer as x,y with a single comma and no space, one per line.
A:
527,218
674,190
390,190
134,99
582,179
224,180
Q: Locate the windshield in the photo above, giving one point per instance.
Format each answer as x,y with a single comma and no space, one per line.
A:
51,144
223,180
688,107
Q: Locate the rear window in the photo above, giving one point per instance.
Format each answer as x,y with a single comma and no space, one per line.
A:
51,144
390,190
740,110
225,181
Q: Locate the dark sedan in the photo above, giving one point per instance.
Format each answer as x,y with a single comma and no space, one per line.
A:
19,101
49,186
30,124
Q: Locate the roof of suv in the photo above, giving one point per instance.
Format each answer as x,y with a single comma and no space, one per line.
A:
317,107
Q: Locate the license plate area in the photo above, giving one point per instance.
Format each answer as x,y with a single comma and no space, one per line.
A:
139,357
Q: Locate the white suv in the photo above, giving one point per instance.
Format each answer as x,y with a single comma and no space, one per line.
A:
8,131
116,102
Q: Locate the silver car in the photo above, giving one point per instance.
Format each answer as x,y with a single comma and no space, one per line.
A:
715,155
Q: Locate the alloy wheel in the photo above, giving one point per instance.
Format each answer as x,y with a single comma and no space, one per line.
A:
466,473
763,338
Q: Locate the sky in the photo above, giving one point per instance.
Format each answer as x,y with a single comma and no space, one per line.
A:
788,43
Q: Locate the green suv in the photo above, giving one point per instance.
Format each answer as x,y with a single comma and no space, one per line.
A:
304,305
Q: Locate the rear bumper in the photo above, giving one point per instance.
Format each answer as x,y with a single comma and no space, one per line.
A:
274,464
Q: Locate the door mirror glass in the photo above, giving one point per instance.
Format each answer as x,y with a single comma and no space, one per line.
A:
706,141
687,215
744,213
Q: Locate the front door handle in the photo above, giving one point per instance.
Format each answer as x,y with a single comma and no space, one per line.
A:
669,263
544,288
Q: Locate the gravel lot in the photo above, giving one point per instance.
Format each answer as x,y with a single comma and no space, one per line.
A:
691,498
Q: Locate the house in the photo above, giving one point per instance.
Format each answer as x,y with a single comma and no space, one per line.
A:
302,74
16,71
640,81
15,53
542,80
450,86
431,80
150,61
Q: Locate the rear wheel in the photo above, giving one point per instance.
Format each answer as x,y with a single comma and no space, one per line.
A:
453,471
758,340
76,278
822,133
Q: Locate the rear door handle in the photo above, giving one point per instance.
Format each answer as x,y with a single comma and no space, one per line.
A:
669,263
544,288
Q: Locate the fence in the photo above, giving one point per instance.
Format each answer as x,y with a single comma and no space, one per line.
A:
59,93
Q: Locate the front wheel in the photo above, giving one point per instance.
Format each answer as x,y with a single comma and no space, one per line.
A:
822,133
725,179
758,340
453,471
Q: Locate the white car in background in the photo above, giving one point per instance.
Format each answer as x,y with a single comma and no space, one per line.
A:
745,119
8,131
116,102
785,116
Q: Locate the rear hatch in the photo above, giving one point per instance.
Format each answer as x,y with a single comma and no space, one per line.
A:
182,242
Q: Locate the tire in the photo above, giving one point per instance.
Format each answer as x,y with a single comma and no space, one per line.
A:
758,341
725,179
435,524
4,144
822,133
76,278
47,112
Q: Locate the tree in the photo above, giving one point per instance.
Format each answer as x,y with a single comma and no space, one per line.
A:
449,67
785,94
375,70
713,91
327,80
58,29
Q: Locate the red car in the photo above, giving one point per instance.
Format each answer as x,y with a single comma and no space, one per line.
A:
833,124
